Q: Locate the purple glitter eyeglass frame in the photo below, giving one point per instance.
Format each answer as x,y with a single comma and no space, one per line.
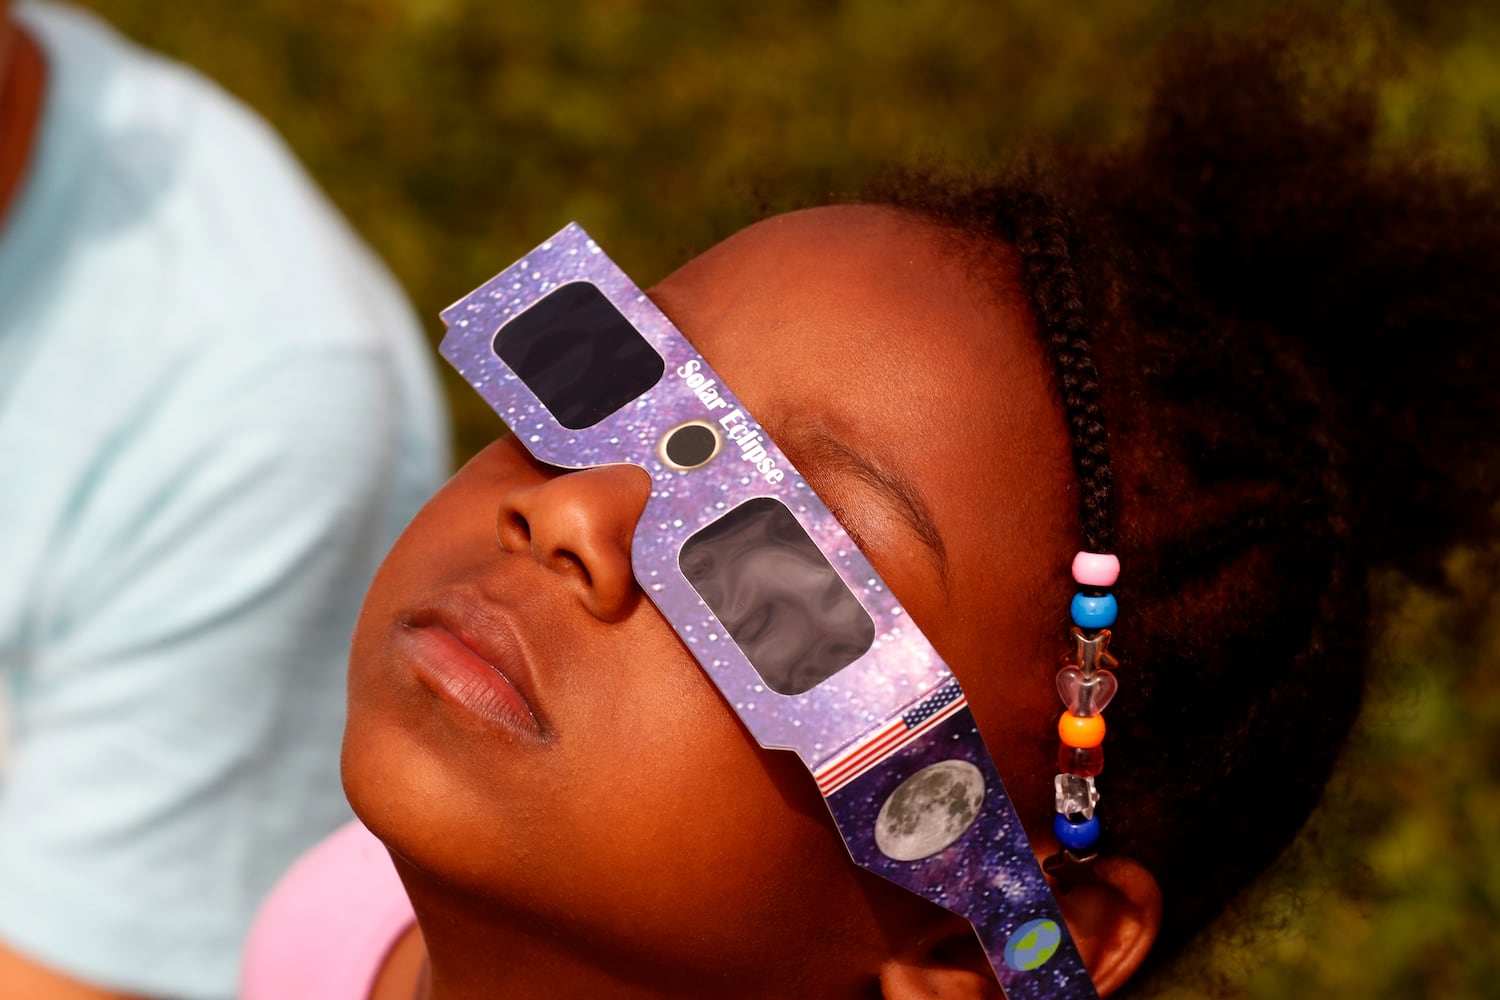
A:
888,738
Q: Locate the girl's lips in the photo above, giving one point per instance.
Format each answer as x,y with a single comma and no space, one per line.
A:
448,663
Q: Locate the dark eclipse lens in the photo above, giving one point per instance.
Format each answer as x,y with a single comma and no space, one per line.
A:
690,445
579,355
777,596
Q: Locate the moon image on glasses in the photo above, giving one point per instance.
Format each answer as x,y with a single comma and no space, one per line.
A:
929,810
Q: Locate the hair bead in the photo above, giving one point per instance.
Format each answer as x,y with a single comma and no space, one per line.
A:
1085,695
1096,569
1081,731
1076,796
1082,761
1090,651
1094,612
1078,836
1086,684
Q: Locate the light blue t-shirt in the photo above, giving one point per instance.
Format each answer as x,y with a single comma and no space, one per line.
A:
216,413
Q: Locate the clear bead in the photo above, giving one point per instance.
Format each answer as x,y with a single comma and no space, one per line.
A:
1085,695
1091,651
1075,796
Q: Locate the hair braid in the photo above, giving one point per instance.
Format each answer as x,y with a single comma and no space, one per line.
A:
1044,236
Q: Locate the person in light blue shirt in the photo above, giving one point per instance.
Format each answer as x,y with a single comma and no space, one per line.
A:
216,413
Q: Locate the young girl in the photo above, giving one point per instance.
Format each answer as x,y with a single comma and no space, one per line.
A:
1244,355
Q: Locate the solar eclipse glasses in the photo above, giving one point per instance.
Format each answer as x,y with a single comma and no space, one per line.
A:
764,587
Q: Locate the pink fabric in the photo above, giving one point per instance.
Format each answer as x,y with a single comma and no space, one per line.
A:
325,930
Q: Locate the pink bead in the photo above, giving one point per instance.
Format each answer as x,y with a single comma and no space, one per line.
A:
1095,569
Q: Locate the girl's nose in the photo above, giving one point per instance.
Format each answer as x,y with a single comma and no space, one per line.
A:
580,525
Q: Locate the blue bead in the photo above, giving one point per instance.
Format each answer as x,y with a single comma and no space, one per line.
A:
1094,612
1076,836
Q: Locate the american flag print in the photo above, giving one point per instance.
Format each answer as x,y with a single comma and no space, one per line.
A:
925,715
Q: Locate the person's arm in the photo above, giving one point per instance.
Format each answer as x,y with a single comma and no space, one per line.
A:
21,977
179,716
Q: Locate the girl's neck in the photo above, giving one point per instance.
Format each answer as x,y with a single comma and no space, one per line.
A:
466,952
403,975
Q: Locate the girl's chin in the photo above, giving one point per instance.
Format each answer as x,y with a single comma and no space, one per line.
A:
370,771
418,787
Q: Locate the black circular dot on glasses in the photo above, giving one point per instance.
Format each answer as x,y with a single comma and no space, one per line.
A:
690,445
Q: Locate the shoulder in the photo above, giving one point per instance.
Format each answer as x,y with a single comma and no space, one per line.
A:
326,929
171,243
192,204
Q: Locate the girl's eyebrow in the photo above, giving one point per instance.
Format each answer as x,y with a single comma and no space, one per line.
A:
817,446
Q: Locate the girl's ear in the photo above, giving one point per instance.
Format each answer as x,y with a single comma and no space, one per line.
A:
1113,917
945,963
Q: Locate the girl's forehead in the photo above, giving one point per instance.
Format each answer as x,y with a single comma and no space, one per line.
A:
869,325
855,301
870,329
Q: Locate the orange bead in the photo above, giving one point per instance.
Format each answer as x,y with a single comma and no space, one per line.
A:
1085,731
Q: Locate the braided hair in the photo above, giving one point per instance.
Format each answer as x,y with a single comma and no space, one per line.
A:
1275,355
1044,238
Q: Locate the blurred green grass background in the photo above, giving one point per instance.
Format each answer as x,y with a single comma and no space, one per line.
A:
456,134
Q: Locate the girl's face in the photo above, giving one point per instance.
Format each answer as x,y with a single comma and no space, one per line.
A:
549,764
